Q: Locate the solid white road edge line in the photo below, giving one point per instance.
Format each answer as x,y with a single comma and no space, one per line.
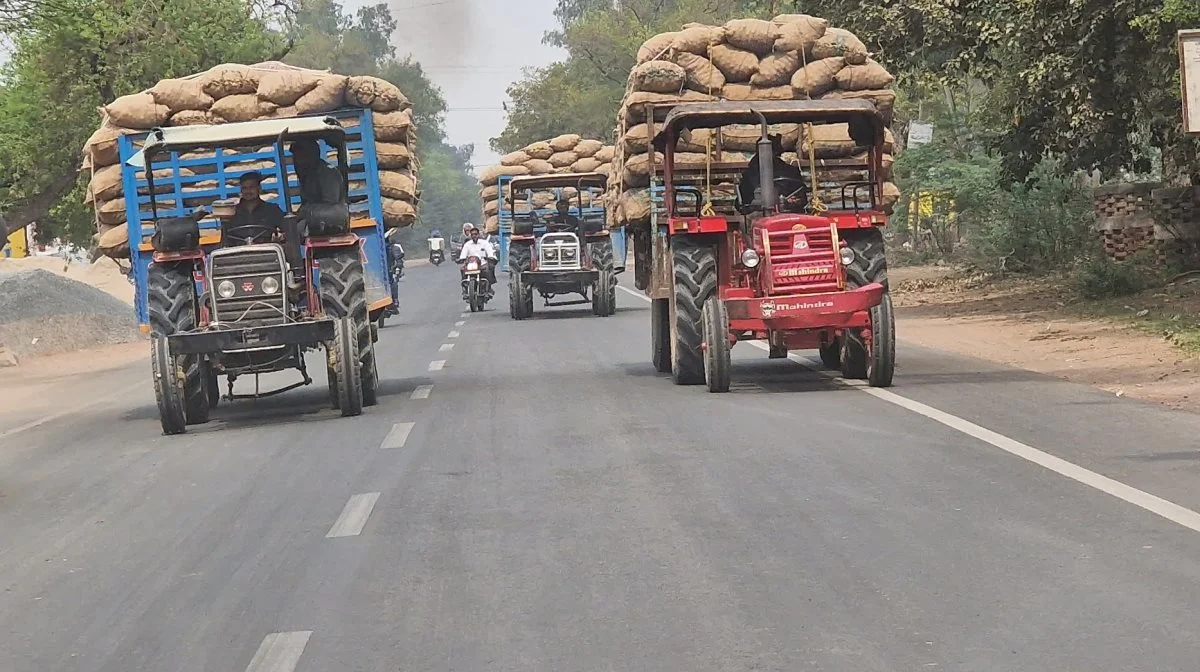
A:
398,436
437,365
279,652
1156,505
422,392
354,516
446,347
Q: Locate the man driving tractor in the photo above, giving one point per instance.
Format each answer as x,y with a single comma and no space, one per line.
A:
254,220
478,247
787,176
563,220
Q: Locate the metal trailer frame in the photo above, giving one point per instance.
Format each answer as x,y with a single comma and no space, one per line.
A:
366,202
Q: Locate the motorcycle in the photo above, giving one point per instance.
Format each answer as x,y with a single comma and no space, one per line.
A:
436,252
475,285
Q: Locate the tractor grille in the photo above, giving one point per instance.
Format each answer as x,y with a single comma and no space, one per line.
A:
246,268
802,262
559,252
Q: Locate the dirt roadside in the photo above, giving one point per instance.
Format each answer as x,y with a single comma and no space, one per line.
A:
1030,324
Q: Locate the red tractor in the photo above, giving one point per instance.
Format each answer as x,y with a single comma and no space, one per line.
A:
785,267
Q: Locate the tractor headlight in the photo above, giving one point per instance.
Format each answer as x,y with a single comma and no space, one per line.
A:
569,253
226,289
750,259
270,285
847,255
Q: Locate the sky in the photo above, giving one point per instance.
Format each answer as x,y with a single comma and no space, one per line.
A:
473,50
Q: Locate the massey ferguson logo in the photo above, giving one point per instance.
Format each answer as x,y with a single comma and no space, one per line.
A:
247,287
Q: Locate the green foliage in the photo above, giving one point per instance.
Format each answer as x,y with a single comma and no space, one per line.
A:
1099,277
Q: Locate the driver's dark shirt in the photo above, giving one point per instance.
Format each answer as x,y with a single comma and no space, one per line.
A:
568,222
266,215
750,178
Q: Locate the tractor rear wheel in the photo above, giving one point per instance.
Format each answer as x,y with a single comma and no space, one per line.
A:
345,359
168,387
695,280
171,301
660,335
881,365
344,294
716,345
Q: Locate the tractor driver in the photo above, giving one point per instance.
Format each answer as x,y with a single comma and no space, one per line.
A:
478,247
254,220
750,185
563,220
319,181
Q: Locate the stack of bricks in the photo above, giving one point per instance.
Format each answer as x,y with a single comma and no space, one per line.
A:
1177,225
1124,218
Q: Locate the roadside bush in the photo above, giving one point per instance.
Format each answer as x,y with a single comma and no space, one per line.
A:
1099,277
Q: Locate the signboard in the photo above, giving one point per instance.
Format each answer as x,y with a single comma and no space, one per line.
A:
919,133
1189,77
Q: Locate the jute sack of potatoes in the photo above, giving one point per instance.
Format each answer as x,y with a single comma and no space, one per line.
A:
378,94
489,175
392,155
818,77
490,192
137,110
565,142
514,159
241,107
229,79
491,225
868,76
181,94
634,104
884,99
539,167
696,38
636,171
748,92
106,183
635,203
659,77
326,96
700,73
285,87
114,241
606,153
776,69
102,147
490,208
636,140
585,165
111,212
163,184
838,42
753,35
398,214
539,150
393,126
656,47
738,65
563,159
799,32
191,118
891,195
588,148
397,185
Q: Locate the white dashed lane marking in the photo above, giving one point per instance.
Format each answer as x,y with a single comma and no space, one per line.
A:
422,392
398,436
279,652
460,323
446,347
437,365
354,516
453,334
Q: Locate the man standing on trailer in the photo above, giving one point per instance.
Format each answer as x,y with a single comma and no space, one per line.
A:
319,181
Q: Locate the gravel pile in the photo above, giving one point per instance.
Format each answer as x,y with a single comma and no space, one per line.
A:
43,313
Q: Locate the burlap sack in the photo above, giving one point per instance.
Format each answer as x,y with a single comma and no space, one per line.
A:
636,140
491,225
701,74
543,199
585,165
838,42
397,185
163,183
744,137
137,110
326,96
285,87
105,183
393,126
181,94
490,192
490,208
539,167
241,107
736,92
392,155
738,65
696,38
658,77
229,79
514,159
753,35
636,171
635,110
539,150
112,241
606,154
891,195
748,92
800,33
884,99
565,143
588,148
698,140
656,47
830,141
191,118
289,112
776,69
868,76
111,212
398,214
563,159
489,175
814,79
378,94
635,204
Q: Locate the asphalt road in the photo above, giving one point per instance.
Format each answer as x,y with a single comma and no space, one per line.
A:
543,500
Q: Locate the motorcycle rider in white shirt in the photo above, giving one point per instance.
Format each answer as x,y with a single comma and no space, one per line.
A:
478,247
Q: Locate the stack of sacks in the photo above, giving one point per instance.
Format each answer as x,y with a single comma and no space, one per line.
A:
792,57
233,93
564,154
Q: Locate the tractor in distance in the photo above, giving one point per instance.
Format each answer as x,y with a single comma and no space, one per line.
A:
244,300
800,266
570,252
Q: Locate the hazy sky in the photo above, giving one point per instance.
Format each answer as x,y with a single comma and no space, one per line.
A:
473,50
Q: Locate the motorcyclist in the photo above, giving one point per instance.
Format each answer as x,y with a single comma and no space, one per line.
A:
479,247
459,239
437,246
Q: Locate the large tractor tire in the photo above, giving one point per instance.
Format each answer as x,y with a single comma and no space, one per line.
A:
695,280
717,349
346,361
831,355
860,359
603,261
168,387
660,335
520,257
870,260
171,302
344,294
516,309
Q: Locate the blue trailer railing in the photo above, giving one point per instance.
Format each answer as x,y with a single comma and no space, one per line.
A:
193,181
505,222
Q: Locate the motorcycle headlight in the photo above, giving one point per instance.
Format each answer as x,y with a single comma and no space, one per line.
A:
847,255
270,285
750,259
472,266
226,289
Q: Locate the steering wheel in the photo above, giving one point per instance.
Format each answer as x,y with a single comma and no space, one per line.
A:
252,233
784,182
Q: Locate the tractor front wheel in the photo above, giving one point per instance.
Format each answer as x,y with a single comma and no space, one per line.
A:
716,345
695,279
345,360
171,303
344,294
831,355
168,387
660,335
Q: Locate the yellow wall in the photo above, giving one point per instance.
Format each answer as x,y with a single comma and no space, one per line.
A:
18,246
